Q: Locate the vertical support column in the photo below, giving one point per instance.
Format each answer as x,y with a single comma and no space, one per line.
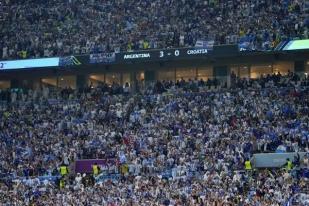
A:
16,83
150,77
36,83
222,73
121,80
81,81
299,68
134,83
228,76
57,81
175,75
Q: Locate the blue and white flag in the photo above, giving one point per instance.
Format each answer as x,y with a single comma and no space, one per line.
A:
205,44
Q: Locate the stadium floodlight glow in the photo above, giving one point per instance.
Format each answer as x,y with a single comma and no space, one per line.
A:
29,63
297,45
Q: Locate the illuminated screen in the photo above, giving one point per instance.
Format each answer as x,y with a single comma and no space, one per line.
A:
297,45
29,63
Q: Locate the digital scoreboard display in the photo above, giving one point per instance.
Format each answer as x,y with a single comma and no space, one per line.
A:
158,55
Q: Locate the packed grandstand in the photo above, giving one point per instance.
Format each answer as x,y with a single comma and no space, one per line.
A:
37,28
172,143
193,142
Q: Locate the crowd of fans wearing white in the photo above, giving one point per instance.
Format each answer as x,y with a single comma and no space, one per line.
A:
37,28
200,137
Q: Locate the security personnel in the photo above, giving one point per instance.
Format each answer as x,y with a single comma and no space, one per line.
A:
23,54
64,170
95,169
288,164
248,165
129,46
145,44
124,169
61,183
6,114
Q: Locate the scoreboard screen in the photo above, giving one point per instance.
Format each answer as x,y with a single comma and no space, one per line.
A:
162,55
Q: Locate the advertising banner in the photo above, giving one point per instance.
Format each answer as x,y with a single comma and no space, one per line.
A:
74,61
274,160
85,166
246,44
102,58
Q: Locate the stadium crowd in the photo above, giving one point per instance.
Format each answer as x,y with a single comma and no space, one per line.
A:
37,28
179,143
